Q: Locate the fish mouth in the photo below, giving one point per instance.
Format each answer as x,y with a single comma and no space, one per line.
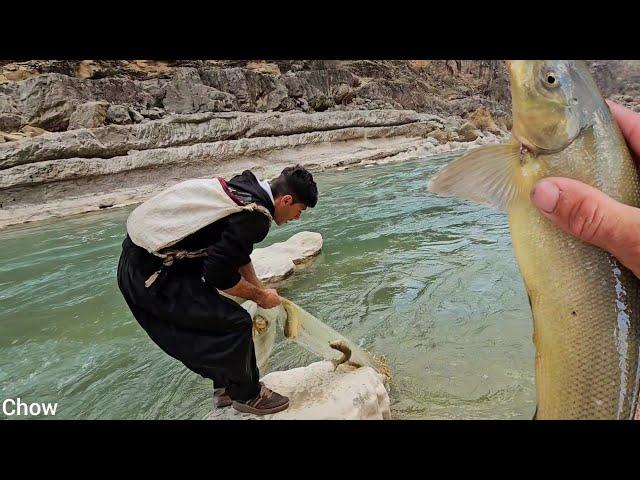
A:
525,146
537,150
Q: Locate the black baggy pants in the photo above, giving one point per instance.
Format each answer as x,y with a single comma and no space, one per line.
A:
210,334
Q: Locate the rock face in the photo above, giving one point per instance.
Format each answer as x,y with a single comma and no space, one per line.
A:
179,130
317,392
62,173
278,261
118,114
45,94
115,132
88,115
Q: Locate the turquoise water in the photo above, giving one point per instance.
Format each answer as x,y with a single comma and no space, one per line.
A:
431,283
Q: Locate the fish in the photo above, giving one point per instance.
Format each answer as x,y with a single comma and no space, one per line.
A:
584,303
292,323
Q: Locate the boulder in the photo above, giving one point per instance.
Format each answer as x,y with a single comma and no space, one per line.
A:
89,115
135,116
253,91
118,114
152,113
319,391
300,247
468,132
277,262
271,268
10,122
186,93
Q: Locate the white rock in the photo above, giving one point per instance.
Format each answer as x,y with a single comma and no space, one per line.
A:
271,266
278,261
317,392
300,247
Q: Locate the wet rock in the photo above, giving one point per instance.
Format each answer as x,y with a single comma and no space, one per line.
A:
321,392
277,262
299,248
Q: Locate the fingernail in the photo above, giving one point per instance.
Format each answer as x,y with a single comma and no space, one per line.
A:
545,196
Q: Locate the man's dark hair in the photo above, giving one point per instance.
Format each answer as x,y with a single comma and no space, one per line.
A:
297,182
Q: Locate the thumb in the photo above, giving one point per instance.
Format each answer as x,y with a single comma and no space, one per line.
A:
591,216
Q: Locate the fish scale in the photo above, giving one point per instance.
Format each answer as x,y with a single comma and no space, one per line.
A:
586,365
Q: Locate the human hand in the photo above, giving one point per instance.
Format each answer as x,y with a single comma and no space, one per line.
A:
268,298
591,215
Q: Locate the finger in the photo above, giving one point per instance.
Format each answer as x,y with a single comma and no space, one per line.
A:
582,211
629,123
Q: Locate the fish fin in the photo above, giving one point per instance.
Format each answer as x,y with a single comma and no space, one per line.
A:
484,175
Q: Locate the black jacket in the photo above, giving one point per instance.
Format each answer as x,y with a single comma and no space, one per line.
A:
229,241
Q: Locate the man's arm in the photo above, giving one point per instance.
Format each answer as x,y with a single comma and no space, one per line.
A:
231,254
264,297
249,274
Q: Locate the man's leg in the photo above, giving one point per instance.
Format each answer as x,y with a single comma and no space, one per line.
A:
210,334
225,353
235,352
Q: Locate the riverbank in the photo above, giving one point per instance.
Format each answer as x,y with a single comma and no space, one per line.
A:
57,174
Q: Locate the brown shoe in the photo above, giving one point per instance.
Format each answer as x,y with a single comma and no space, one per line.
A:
221,398
265,403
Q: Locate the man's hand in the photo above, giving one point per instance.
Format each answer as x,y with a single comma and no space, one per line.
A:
264,297
589,214
268,298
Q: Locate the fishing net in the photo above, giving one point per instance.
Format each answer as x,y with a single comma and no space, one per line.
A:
309,332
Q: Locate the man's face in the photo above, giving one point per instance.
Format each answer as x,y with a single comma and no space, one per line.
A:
286,209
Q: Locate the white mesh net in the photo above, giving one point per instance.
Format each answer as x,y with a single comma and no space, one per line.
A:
309,332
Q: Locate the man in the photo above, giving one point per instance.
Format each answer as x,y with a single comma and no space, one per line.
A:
175,297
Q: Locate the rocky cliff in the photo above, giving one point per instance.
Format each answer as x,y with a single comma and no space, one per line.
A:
61,95
81,135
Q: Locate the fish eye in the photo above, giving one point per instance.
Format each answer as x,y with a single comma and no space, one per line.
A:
551,80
